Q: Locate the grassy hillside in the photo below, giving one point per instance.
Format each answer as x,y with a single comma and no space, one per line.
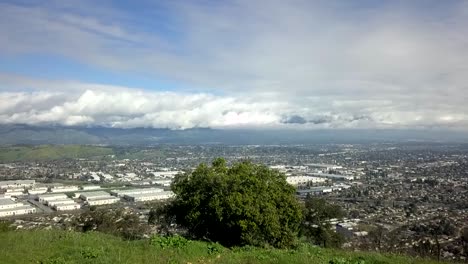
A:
70,247
49,152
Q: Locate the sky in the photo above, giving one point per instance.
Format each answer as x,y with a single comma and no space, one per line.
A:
322,64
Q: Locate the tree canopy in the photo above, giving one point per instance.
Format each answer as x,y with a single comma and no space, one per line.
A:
244,204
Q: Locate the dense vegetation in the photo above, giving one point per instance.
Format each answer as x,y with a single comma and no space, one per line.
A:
67,247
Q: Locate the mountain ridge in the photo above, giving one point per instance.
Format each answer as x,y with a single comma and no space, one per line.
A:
35,135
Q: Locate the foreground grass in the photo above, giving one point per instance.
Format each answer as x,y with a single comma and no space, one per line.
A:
59,247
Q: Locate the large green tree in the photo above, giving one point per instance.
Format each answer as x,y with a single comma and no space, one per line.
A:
244,204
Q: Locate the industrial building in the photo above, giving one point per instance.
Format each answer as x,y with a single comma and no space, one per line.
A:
6,203
14,191
67,206
44,198
90,187
35,191
93,195
122,193
9,207
52,203
102,201
162,182
17,184
333,176
301,180
62,189
143,197
325,167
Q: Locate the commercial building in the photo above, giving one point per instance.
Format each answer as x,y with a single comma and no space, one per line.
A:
143,197
102,201
17,184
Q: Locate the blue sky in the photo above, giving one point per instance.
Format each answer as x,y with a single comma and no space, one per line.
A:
228,64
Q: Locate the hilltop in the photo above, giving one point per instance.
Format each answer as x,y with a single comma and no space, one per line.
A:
60,247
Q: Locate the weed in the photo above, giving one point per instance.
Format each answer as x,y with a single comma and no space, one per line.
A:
89,253
55,260
214,248
175,241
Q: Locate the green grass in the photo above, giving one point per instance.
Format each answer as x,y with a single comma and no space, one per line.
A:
49,152
54,246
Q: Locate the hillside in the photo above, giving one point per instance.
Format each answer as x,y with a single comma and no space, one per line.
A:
24,153
52,246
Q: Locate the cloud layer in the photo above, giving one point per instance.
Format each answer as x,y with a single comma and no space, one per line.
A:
125,107
302,64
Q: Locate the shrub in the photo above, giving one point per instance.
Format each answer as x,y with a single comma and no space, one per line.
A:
245,204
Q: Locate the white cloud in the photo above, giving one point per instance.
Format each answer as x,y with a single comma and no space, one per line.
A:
102,105
333,63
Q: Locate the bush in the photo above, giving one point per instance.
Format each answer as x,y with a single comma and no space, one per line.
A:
246,204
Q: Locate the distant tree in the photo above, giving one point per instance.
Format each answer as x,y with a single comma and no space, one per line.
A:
316,226
424,248
245,204
159,216
376,238
464,241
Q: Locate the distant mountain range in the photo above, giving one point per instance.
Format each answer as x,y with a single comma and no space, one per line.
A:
26,134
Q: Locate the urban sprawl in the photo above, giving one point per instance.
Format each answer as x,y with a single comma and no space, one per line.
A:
393,194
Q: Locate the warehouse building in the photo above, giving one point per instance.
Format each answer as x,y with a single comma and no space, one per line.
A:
14,191
333,176
102,201
6,203
35,191
94,195
59,189
67,206
53,203
90,187
143,197
122,193
44,198
301,180
17,184
9,207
